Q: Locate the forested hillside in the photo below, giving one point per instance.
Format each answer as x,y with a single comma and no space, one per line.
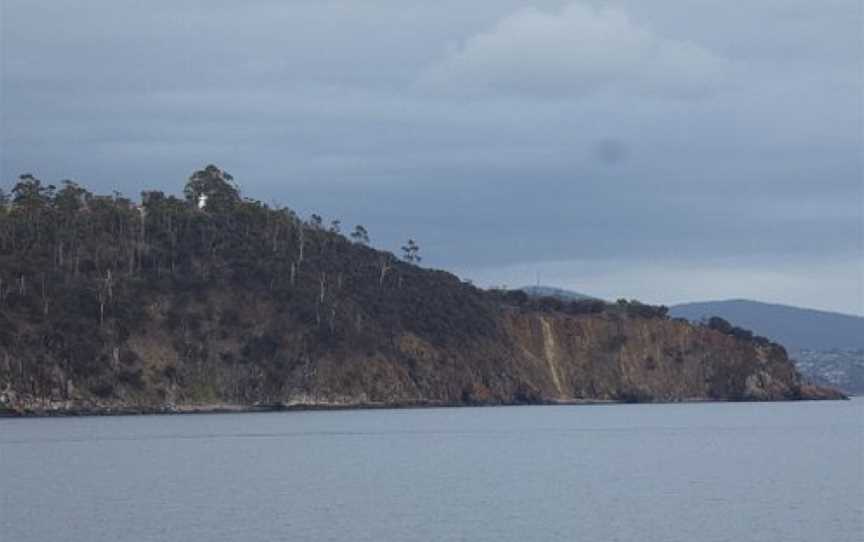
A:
211,299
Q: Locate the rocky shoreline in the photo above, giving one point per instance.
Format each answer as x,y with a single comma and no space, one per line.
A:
809,393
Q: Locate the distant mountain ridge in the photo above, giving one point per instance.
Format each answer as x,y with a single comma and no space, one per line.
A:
794,327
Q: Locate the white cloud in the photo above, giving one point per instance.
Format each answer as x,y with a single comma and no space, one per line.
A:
573,52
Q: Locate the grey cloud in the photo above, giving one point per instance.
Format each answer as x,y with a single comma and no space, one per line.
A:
317,105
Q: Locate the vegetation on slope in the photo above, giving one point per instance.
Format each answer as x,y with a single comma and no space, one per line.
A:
78,272
213,297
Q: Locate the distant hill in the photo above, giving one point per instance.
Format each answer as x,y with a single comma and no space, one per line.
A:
794,327
560,293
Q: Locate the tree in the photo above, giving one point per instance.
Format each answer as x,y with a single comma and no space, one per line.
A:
212,188
71,198
719,324
29,191
31,198
360,235
410,252
385,262
68,203
335,226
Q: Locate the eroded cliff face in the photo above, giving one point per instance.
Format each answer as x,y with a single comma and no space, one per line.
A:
649,360
534,357
561,358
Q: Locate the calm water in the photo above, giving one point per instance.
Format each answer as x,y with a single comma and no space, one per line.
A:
707,472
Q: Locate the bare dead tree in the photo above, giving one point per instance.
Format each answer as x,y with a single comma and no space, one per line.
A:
301,244
44,295
332,320
322,284
384,265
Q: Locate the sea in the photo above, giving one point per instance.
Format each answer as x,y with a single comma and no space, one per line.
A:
642,472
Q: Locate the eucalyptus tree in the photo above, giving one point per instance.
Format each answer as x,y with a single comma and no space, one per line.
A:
30,200
411,252
360,235
217,187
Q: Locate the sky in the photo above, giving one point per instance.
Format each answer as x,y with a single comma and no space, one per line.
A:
667,151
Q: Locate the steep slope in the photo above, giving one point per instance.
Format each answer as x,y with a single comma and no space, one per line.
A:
106,305
826,347
177,355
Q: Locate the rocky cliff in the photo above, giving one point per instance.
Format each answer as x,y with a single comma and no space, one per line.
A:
267,360
106,305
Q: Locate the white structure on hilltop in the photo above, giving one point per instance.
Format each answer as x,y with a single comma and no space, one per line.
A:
202,201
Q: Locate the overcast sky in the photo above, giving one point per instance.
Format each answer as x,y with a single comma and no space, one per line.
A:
666,150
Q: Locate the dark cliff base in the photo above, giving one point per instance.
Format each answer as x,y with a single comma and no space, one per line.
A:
811,393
